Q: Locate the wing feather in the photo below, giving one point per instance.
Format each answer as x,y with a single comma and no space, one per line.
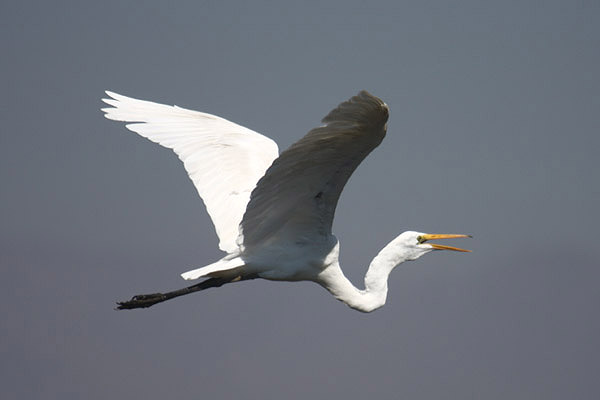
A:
296,198
224,160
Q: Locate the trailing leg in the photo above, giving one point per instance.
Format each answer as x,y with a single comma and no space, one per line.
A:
148,300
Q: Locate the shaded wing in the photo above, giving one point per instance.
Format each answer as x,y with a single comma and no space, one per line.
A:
224,160
296,199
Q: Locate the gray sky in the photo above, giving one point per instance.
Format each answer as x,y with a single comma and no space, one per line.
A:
493,131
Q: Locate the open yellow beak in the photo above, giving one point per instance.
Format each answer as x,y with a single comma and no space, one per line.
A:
432,236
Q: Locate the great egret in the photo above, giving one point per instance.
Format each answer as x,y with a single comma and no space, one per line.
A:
273,213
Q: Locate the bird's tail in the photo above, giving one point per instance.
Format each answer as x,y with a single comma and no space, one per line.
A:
212,270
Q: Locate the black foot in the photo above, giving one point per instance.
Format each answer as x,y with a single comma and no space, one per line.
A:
141,301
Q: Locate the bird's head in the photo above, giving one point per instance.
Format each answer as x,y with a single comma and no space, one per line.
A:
416,244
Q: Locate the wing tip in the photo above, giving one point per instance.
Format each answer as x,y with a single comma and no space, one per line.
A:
112,96
363,108
112,101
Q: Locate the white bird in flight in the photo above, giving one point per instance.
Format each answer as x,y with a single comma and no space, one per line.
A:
273,212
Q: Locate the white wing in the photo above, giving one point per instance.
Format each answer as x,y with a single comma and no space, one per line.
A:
296,199
224,160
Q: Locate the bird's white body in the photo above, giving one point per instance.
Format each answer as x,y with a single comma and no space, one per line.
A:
273,213
302,262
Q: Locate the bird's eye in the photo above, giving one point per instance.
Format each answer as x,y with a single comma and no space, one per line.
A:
420,239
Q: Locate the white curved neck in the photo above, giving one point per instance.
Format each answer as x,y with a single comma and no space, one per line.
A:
375,292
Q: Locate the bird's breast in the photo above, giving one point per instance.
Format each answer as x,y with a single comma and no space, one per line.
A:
293,262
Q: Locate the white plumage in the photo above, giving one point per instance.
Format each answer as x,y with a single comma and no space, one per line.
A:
273,214
223,159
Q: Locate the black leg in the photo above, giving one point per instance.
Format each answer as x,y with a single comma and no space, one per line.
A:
148,300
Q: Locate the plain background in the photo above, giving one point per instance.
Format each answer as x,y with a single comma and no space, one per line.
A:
494,131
